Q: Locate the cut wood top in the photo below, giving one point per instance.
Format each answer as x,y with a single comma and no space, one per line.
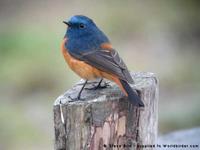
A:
142,80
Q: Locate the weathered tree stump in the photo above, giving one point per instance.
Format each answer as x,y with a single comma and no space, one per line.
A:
105,119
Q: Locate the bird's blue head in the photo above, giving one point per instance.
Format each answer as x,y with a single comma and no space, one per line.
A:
83,34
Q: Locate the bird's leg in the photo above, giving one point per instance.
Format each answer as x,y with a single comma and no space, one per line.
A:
79,94
99,86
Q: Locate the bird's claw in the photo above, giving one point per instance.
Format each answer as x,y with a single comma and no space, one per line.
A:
99,86
75,99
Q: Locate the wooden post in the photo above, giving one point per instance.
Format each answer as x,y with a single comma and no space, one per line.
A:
105,120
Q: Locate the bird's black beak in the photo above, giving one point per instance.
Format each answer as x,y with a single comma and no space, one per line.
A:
67,23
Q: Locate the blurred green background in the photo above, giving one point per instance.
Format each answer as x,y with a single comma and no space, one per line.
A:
157,36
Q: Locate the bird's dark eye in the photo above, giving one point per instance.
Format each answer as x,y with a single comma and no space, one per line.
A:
82,26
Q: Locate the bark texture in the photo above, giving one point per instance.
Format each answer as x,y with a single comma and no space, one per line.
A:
105,120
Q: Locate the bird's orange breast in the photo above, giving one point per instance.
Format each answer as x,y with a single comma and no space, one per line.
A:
83,69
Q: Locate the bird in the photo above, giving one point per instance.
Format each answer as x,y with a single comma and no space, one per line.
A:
89,53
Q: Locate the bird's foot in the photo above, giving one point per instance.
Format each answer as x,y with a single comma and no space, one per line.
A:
99,86
78,98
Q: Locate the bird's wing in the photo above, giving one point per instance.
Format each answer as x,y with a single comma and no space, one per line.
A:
107,61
